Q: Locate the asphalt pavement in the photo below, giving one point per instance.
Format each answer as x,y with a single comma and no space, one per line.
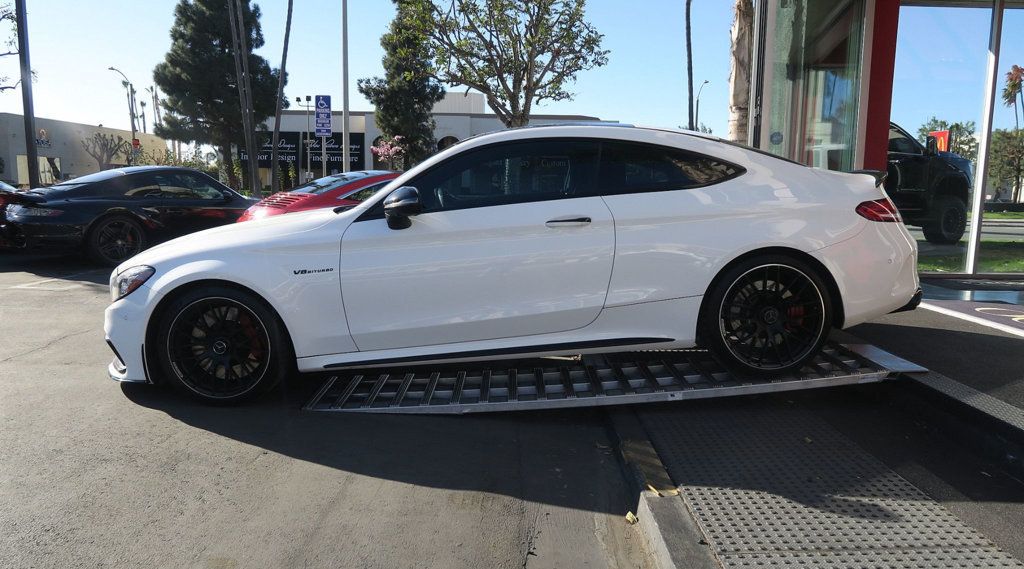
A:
93,474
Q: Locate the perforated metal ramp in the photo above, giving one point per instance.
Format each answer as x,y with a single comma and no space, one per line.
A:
615,379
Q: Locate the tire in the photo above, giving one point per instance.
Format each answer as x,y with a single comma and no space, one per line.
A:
221,345
115,239
948,222
767,315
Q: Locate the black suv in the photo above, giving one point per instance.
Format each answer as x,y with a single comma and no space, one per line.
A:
930,188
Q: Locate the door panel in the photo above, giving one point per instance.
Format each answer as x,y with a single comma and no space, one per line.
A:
476,274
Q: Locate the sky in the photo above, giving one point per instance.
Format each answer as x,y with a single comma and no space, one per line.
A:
940,65
73,44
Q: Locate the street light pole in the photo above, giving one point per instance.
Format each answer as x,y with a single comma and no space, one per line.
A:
309,140
131,109
31,151
696,114
345,147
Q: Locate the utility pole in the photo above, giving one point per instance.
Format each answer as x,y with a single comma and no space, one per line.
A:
696,113
237,20
26,95
345,150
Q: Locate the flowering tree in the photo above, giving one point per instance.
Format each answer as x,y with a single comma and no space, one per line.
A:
390,151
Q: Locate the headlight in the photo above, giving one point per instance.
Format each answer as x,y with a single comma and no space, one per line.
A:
123,283
17,210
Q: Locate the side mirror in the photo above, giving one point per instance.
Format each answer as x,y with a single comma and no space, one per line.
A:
930,146
400,205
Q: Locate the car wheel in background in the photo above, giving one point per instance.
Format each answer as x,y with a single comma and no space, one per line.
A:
222,345
948,222
768,314
115,239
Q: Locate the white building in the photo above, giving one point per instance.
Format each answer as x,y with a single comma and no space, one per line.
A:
456,117
61,151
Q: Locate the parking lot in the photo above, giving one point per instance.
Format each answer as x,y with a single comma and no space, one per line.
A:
95,474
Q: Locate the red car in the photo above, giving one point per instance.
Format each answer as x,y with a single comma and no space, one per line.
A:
332,191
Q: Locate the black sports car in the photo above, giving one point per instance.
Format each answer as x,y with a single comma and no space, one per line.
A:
114,214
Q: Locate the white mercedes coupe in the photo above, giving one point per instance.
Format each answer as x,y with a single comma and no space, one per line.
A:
537,241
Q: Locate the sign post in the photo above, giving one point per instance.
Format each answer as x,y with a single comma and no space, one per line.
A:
323,126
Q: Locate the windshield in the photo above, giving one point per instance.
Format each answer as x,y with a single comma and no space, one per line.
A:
7,187
328,183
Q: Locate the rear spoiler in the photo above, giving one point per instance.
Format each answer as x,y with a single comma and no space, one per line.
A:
9,197
878,175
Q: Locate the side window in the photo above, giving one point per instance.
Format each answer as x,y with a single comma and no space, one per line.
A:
632,168
141,186
898,142
515,172
182,186
365,193
202,188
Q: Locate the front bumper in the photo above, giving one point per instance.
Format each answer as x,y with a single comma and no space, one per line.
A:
124,326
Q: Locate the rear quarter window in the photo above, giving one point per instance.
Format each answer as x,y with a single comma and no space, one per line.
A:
634,167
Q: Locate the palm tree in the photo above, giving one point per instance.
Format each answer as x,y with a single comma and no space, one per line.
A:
274,166
689,63
742,34
1014,79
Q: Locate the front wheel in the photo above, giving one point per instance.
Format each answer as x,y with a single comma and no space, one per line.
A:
768,314
221,345
948,221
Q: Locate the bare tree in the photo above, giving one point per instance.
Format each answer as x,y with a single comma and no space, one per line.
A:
741,44
7,18
274,166
104,148
516,52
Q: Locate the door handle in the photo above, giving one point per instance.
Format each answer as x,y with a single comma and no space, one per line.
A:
574,221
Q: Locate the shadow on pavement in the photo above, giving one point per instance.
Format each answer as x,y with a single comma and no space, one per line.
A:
562,458
988,362
72,268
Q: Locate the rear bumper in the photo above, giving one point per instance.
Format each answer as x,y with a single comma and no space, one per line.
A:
915,301
17,235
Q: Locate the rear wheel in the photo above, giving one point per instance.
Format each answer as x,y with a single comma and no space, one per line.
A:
768,314
948,221
115,239
220,344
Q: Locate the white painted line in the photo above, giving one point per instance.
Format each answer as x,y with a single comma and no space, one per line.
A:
974,319
35,284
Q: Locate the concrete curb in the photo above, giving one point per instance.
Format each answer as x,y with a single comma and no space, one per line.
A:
670,532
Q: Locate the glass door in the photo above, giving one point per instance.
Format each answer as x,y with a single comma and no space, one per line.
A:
813,64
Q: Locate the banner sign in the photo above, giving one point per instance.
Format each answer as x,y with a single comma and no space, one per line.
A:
941,140
288,151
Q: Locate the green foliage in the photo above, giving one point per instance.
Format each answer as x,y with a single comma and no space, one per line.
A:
1006,163
961,136
516,52
405,96
198,77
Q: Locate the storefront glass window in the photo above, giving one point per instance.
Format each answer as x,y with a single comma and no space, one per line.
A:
938,90
815,62
1002,230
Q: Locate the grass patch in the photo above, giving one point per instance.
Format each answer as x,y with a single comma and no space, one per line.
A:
994,257
1003,215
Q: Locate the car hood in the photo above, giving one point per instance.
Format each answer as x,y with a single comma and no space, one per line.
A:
220,242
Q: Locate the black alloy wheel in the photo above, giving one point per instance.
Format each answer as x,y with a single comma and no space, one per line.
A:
221,345
768,316
115,240
950,221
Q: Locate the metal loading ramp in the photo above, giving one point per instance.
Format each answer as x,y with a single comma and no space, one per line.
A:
593,380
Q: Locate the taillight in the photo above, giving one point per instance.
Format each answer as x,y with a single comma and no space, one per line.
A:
879,210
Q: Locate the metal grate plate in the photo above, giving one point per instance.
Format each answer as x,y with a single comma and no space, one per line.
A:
775,486
613,379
